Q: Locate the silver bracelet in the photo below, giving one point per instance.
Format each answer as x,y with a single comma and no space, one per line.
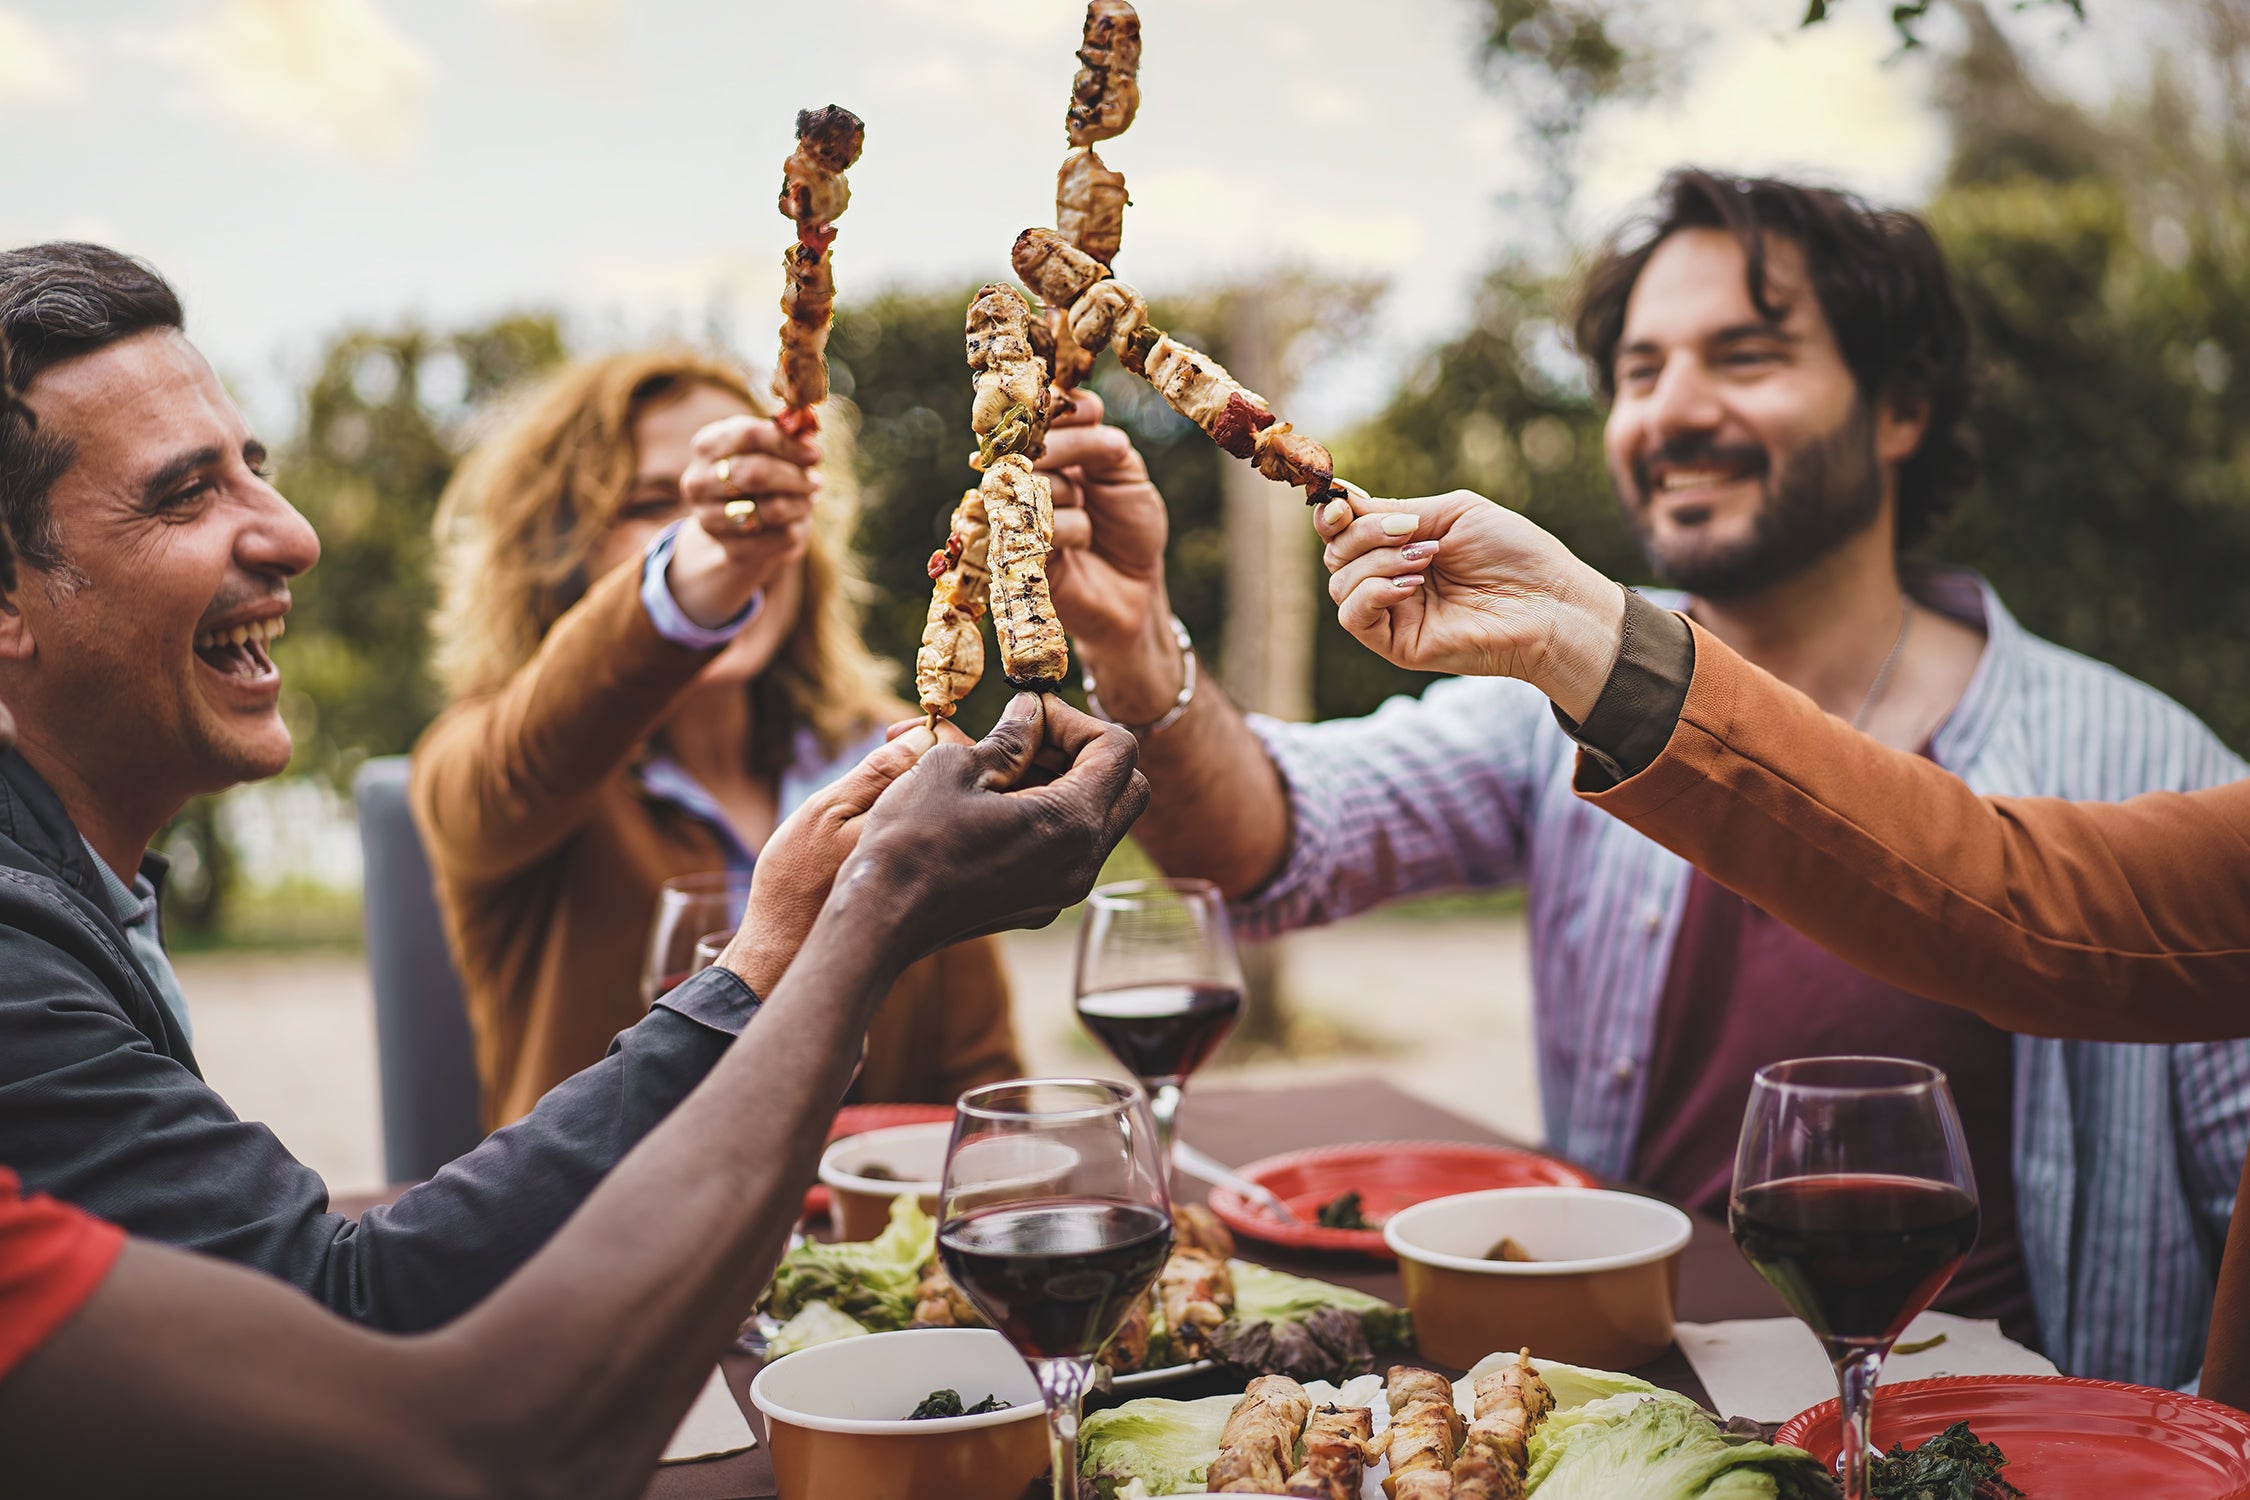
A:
1179,704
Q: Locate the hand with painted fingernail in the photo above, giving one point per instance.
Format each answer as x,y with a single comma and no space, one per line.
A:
752,488
1455,583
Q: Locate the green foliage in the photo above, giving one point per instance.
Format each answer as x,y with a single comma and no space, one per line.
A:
2114,511
383,425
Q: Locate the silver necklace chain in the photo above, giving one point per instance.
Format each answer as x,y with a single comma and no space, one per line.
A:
1890,662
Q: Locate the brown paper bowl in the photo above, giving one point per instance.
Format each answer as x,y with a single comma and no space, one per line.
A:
1600,1291
860,1206
835,1419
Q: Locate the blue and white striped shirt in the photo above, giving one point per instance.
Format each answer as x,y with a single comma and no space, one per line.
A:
2126,1157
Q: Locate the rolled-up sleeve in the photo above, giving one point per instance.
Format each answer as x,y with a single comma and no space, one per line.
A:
1425,794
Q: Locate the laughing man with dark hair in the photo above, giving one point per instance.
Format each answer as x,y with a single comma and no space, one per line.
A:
155,566
1787,371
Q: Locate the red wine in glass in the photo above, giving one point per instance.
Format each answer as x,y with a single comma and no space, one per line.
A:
1056,1220
1057,1278
1855,1255
1159,983
1162,1031
1853,1196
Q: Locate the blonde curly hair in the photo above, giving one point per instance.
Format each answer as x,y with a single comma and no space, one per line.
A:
531,502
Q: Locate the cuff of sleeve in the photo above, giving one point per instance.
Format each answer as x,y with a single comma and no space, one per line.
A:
671,621
716,998
1632,720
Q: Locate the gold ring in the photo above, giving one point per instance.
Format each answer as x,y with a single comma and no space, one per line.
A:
744,514
724,469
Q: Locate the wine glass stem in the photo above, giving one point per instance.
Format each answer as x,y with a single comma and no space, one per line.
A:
1855,1380
1163,1104
1062,1384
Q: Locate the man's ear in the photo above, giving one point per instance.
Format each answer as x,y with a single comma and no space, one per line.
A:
16,643
1901,422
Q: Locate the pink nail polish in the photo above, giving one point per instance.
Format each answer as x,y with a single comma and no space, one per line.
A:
1408,585
1418,551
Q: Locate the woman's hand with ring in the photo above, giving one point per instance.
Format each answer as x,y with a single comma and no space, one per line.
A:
751,487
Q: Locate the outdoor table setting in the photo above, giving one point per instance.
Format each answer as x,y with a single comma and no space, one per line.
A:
1065,1282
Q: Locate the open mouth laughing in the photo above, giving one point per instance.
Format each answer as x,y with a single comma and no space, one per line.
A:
239,651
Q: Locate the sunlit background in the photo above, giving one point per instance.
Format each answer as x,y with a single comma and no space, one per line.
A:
385,214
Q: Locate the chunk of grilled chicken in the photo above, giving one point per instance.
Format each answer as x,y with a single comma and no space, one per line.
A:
1258,1445
1107,90
950,661
1034,652
1336,1443
1495,1453
1055,269
813,190
1009,412
938,1303
1424,1435
1195,1227
808,305
1090,205
1127,1349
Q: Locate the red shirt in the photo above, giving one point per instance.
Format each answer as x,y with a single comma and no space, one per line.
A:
51,1259
1745,990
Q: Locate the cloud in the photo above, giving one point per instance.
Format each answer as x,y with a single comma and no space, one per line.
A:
33,69
326,75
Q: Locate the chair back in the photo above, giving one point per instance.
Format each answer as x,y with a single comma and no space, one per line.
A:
423,1048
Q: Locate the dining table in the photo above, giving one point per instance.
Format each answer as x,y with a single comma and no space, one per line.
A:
1241,1125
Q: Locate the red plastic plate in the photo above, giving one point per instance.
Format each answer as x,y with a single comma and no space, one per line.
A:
1388,1176
2066,1439
858,1119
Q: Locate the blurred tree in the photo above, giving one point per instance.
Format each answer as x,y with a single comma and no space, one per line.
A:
2106,266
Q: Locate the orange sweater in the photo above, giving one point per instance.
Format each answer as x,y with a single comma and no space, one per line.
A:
548,858
2121,922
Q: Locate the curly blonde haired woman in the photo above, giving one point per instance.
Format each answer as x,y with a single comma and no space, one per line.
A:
644,685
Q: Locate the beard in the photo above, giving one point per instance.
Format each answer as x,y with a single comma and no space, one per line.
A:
1812,502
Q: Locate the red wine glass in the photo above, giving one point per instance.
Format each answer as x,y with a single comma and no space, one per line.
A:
1854,1198
1159,983
1055,1222
687,908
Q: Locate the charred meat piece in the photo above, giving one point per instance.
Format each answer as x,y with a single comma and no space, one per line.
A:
813,194
1336,1443
1107,90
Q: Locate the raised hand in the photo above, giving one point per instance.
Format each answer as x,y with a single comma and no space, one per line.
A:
798,865
1107,571
1002,833
1455,583
771,480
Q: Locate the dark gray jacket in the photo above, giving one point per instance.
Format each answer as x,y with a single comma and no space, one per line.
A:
102,1105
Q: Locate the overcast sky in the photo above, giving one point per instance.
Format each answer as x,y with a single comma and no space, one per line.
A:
299,165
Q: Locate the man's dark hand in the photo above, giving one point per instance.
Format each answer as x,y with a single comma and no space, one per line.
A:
999,834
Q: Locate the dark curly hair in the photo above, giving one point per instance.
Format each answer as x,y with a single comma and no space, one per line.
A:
1880,278
58,301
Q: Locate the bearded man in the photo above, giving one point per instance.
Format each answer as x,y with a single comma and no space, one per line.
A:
1787,374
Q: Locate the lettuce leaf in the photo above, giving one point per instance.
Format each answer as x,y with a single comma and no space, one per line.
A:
1264,1295
1169,1446
815,1323
871,1281
1662,1447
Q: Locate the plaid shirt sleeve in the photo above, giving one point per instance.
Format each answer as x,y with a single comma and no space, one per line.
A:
1426,794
